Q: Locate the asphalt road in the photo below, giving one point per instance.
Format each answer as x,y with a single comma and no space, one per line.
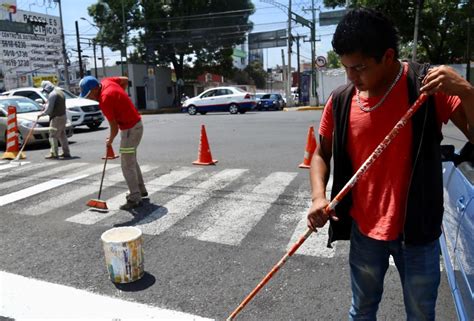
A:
210,233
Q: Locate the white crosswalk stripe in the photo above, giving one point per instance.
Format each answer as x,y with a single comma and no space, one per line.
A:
71,196
216,214
180,207
233,219
50,172
48,185
89,217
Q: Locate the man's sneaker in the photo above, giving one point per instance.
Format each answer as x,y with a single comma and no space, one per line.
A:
65,155
51,156
130,205
144,194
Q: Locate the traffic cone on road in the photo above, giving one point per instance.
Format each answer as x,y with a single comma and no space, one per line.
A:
12,149
310,148
204,153
110,153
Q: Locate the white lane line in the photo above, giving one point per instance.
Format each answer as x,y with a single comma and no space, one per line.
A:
180,207
71,196
42,187
89,217
26,298
41,174
235,218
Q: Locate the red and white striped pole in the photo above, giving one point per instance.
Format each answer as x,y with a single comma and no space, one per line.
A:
12,150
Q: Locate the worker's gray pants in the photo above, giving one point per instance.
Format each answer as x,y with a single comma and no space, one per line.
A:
57,132
130,139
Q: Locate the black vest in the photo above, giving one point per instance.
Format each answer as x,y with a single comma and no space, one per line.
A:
424,207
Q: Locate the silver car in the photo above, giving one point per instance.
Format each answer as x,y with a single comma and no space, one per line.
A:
27,112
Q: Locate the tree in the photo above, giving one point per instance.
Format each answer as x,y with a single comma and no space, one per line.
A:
333,60
257,74
441,33
169,31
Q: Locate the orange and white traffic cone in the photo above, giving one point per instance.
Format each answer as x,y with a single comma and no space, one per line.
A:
12,150
204,153
110,153
310,148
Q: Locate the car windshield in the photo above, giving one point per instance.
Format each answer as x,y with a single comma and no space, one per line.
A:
68,94
240,89
23,105
269,96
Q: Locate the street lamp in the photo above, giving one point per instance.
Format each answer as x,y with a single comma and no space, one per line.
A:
99,28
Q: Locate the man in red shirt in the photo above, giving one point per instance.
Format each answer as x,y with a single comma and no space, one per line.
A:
121,115
396,208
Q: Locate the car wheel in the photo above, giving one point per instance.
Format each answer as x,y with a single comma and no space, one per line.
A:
192,110
203,112
94,125
233,109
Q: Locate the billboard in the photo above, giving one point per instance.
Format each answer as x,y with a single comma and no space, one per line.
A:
25,55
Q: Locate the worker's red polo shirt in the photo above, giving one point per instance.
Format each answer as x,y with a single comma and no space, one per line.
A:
116,105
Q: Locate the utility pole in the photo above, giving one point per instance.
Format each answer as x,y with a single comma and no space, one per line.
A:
283,71
298,80
124,53
314,94
81,68
468,51
65,62
289,98
415,32
95,57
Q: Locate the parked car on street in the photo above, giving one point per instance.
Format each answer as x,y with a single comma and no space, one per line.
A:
27,112
80,111
220,99
457,241
271,101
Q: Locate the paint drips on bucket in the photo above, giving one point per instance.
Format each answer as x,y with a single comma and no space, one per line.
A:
123,248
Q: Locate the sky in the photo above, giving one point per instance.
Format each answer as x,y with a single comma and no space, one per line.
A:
267,17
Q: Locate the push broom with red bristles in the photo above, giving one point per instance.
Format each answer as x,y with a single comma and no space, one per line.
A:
361,171
98,203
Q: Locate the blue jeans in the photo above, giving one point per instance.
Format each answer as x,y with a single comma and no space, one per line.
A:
418,267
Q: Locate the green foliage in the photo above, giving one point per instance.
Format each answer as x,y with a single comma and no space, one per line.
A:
333,60
257,74
442,27
170,30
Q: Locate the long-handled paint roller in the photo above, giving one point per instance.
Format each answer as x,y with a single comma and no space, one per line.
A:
98,203
30,132
361,171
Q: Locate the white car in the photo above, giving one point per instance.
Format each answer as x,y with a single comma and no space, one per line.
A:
224,99
27,112
80,111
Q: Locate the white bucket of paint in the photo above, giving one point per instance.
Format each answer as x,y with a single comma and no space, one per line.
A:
123,253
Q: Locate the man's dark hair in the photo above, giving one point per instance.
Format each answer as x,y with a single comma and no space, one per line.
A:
366,31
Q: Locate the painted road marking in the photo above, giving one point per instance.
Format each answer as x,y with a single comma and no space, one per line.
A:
89,217
180,207
42,187
10,165
47,173
26,298
73,195
232,219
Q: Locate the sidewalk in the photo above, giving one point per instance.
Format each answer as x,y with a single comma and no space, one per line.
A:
303,108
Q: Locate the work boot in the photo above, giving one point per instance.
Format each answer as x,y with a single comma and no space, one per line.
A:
51,156
65,155
130,205
144,194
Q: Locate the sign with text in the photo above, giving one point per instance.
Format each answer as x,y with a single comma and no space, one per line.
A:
33,53
268,39
328,18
